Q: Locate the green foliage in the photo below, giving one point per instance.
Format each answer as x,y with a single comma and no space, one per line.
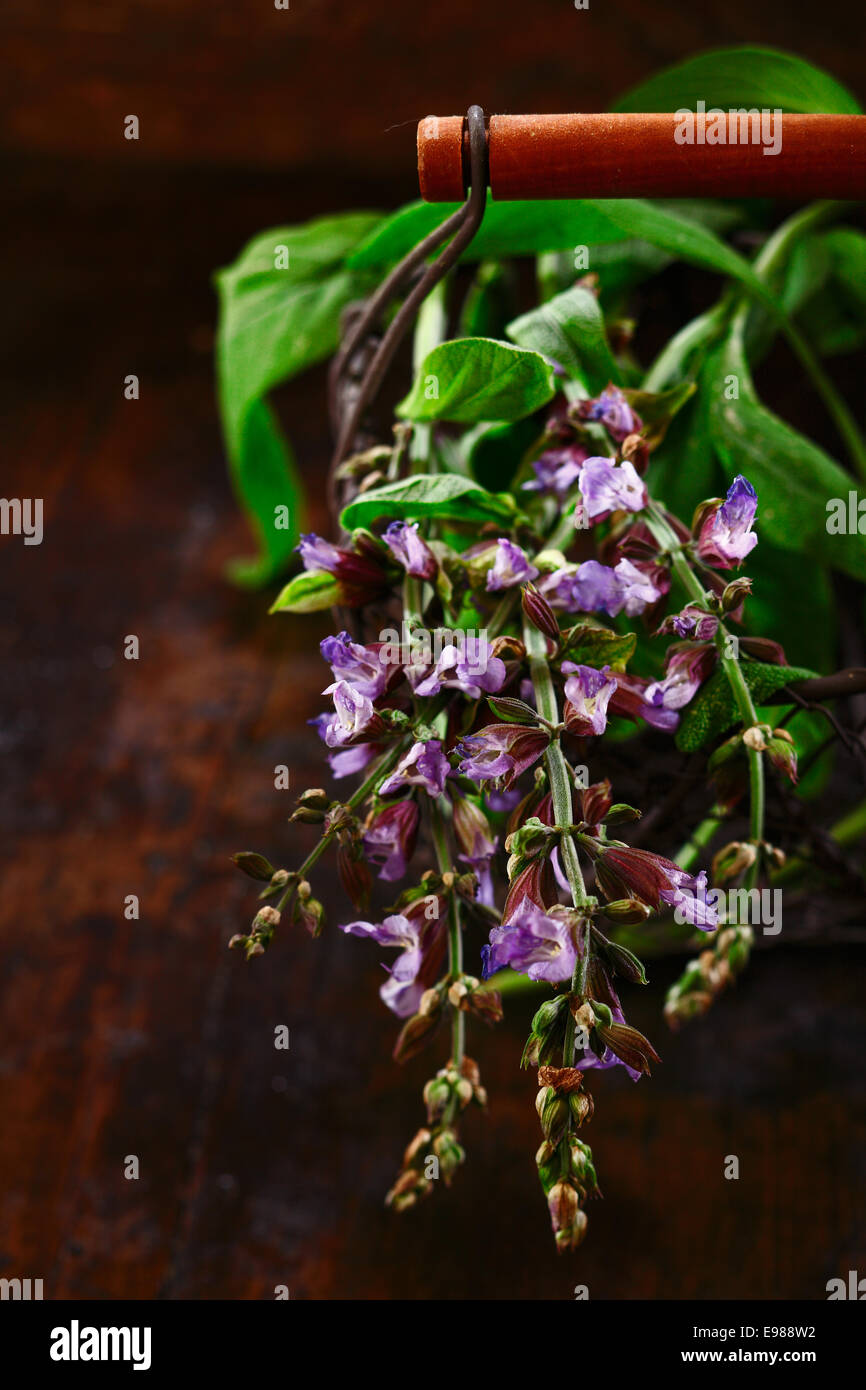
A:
274,323
472,379
744,76
444,495
713,710
569,329
308,592
792,476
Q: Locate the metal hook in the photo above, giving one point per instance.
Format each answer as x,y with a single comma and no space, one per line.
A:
462,226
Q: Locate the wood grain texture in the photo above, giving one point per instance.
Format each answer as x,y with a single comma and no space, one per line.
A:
652,156
345,85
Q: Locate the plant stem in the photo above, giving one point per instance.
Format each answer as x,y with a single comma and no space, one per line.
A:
560,790
382,765
455,936
733,674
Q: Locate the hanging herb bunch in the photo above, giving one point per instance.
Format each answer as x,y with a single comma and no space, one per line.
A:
475,726
538,606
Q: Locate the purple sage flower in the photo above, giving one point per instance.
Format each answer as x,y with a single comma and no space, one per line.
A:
359,573
361,666
630,699
319,554
688,897
354,719
389,838
465,665
614,412
686,669
557,588
726,535
477,843
402,991
410,550
557,470
595,589
421,939
501,751
510,567
351,760
533,944
425,765
691,622
636,589
608,487
587,693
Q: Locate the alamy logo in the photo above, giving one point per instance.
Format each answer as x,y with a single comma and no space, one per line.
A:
855,1288
22,516
75,1343
737,906
739,126
420,648
22,1290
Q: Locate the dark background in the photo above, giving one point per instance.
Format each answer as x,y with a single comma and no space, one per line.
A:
146,1037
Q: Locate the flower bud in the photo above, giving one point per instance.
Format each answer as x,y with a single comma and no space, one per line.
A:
545,1153
316,798
449,1153
307,815
437,1094
417,1147
416,1032
430,1004
465,1092
311,916
407,1189
540,613
553,1112
568,1221
733,859
265,922
733,594
783,754
586,1018
635,450
579,1158
355,876
629,911
703,511
254,866
581,1106
548,1013
756,737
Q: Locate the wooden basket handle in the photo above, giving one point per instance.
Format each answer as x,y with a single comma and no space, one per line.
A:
650,156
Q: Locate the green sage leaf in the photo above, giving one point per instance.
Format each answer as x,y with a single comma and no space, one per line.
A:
570,329
446,495
472,379
714,710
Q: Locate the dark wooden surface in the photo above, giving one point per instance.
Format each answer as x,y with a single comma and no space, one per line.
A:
147,1037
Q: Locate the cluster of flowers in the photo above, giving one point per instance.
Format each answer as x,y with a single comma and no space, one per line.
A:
477,750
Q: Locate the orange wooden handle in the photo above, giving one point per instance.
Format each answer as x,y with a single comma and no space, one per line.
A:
651,156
